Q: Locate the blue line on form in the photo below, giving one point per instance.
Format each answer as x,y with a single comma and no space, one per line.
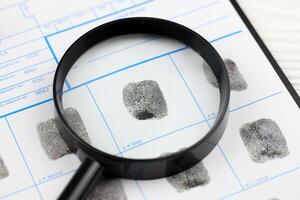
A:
98,108
30,66
23,157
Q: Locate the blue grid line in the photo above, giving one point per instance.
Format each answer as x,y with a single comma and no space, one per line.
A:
102,17
67,84
21,7
22,56
51,50
211,21
140,189
21,44
144,60
70,21
258,184
154,38
258,100
186,85
93,11
1,89
55,27
55,58
76,13
45,101
46,39
225,36
16,192
37,25
122,49
148,60
230,166
23,157
203,121
164,135
110,131
56,177
52,21
228,163
24,94
196,9
17,33
30,66
26,108
9,6
128,67
208,124
32,186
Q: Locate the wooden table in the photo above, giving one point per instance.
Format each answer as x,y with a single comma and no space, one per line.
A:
278,24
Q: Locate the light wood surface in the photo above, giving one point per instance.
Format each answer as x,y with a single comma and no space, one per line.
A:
278,24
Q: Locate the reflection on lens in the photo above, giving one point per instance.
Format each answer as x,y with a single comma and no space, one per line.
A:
140,96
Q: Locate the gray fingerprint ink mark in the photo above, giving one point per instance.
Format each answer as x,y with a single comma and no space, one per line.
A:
108,189
264,140
3,169
51,141
188,179
193,177
144,100
55,148
237,81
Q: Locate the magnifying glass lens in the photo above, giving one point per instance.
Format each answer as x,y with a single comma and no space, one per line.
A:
141,96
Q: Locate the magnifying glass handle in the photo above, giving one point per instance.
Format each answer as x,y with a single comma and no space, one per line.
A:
83,181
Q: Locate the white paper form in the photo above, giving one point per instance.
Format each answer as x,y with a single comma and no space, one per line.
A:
33,37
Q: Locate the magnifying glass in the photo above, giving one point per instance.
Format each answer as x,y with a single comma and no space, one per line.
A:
141,88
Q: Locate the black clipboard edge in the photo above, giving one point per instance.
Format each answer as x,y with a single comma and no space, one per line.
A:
266,51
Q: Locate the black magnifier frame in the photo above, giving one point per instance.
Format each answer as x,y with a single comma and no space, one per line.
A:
96,162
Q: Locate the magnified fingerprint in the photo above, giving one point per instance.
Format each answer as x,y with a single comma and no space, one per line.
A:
264,140
108,189
144,100
3,169
51,141
237,81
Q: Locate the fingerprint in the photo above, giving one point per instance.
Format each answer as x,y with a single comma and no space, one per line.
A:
108,189
193,177
237,82
264,140
55,148
144,100
3,169
50,139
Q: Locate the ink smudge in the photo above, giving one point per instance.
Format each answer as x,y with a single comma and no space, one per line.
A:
51,141
3,169
190,178
237,81
193,177
264,140
108,189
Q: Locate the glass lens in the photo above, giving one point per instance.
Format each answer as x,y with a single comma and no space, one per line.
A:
141,96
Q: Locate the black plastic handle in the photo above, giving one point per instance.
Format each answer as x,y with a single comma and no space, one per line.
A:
83,181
